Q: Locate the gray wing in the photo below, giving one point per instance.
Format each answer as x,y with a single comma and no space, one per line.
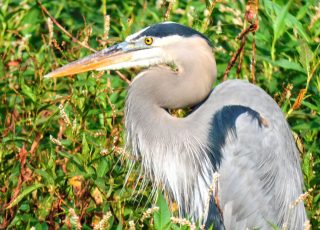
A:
260,173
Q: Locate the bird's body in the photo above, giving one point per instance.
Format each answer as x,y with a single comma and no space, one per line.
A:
235,130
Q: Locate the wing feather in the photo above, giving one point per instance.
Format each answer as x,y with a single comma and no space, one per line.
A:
252,184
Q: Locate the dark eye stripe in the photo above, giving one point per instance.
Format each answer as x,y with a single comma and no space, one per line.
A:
168,29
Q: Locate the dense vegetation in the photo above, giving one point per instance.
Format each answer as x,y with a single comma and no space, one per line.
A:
62,162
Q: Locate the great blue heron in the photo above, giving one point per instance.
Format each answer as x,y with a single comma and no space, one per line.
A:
236,130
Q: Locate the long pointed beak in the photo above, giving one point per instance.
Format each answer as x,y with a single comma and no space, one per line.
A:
98,61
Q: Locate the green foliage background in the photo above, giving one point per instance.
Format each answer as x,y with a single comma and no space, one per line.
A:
54,161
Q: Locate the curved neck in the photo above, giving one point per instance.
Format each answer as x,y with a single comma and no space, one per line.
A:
168,146
190,85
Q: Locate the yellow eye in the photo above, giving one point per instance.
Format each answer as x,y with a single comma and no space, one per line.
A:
148,40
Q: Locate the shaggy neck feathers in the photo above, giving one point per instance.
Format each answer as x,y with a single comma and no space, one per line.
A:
172,149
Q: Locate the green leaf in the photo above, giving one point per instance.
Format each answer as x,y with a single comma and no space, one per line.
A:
306,56
279,24
85,146
73,158
286,64
175,227
307,166
100,183
49,180
103,167
26,90
31,17
119,226
24,207
283,63
162,219
311,106
24,193
1,69
44,208
273,226
290,20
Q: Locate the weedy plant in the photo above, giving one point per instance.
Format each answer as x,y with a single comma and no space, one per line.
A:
62,162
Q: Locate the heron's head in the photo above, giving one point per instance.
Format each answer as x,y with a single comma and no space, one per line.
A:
153,45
